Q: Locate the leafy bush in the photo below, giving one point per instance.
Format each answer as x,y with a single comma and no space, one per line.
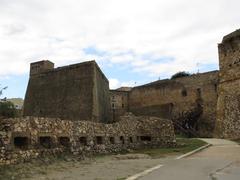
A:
180,74
7,110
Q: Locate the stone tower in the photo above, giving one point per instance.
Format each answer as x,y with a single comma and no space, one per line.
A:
228,105
74,92
41,66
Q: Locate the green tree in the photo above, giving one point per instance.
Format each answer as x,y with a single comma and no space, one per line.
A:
180,74
2,89
7,109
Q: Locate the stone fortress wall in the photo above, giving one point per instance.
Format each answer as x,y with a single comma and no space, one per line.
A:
173,99
209,102
30,137
79,91
228,105
119,102
73,104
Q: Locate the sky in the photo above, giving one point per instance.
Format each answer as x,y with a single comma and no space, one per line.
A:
133,41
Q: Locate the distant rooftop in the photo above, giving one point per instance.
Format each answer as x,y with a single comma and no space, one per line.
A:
124,89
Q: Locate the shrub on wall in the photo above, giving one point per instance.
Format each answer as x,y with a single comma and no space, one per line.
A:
180,74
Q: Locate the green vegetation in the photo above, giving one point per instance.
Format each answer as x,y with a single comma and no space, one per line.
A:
7,110
2,89
40,166
184,145
180,74
16,101
180,136
237,141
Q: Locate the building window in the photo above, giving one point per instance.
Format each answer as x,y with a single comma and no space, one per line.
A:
112,140
1,142
130,139
215,87
46,142
83,141
199,92
99,139
145,138
21,142
64,141
113,105
184,92
122,140
122,105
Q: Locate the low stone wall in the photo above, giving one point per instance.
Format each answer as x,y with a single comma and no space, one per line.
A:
22,139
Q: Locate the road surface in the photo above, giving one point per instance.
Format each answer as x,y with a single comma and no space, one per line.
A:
221,161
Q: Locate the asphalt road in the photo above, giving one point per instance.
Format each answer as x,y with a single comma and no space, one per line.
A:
221,161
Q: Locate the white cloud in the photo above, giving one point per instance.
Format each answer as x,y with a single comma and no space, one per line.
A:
59,30
115,83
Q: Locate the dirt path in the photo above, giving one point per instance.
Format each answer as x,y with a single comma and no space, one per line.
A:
109,167
102,168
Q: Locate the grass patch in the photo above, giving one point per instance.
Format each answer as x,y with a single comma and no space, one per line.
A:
35,166
236,140
181,136
184,145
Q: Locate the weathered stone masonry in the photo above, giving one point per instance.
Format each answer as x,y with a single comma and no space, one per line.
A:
119,102
174,99
73,103
228,105
25,138
212,98
79,91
